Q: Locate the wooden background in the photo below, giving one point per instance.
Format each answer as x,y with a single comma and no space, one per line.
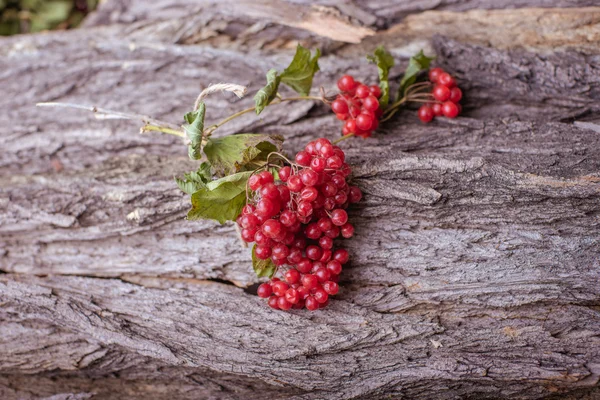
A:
475,265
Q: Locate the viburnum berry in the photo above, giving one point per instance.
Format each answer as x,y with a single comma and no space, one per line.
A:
295,220
346,83
425,113
450,109
358,106
446,94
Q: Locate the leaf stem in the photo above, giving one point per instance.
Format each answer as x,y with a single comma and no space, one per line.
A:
162,129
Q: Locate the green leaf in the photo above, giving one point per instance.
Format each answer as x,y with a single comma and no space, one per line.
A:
262,268
235,153
221,200
265,95
195,180
299,74
194,127
385,62
416,64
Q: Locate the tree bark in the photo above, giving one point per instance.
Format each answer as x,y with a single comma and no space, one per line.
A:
474,269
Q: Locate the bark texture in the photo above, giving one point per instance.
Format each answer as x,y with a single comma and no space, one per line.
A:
475,264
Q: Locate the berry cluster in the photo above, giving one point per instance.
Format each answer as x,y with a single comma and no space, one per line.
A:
446,94
358,106
295,221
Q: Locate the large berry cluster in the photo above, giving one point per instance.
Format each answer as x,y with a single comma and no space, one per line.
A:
446,94
358,106
295,221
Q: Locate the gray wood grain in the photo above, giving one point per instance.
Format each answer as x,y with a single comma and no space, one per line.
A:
474,268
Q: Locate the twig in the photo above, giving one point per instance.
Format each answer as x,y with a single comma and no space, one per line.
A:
238,90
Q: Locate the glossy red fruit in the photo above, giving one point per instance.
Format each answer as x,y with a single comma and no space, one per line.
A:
346,83
331,287
309,177
264,290
254,182
272,228
371,103
309,281
283,304
284,173
437,109
338,217
304,266
318,164
434,74
273,300
362,91
279,288
294,183
322,274
295,256
347,231
441,93
334,267
266,208
312,231
350,126
355,194
450,109
341,255
314,252
292,296
375,90
266,177
310,303
269,191
305,209
326,243
263,252
280,251
455,95
447,80
248,234
320,295
425,113
309,193
303,158
339,106
364,121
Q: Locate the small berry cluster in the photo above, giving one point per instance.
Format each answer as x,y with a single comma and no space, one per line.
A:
358,106
295,221
446,94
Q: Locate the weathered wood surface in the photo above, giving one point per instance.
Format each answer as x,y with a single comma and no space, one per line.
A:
475,262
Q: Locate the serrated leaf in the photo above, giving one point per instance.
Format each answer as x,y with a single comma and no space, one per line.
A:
194,127
195,180
416,64
299,74
265,95
235,153
262,268
221,199
385,62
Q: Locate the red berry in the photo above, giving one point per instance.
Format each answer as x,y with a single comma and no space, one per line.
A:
347,231
279,288
311,303
425,113
303,292
339,106
284,193
248,234
346,83
309,177
331,287
280,251
434,74
309,281
327,150
264,290
437,109
292,276
309,193
283,304
295,256
338,217
248,209
333,232
355,194
364,121
325,224
318,164
292,296
284,173
450,109
303,158
334,162
455,95
341,255
375,91
273,302
314,252
263,252
270,191
362,91
342,117
320,295
266,177
288,218
322,274
335,267
266,208
305,209
350,125
326,242
371,103
329,189
312,231
340,198
441,93
326,256
261,239
272,228
304,266
447,80
294,183
255,182
310,148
